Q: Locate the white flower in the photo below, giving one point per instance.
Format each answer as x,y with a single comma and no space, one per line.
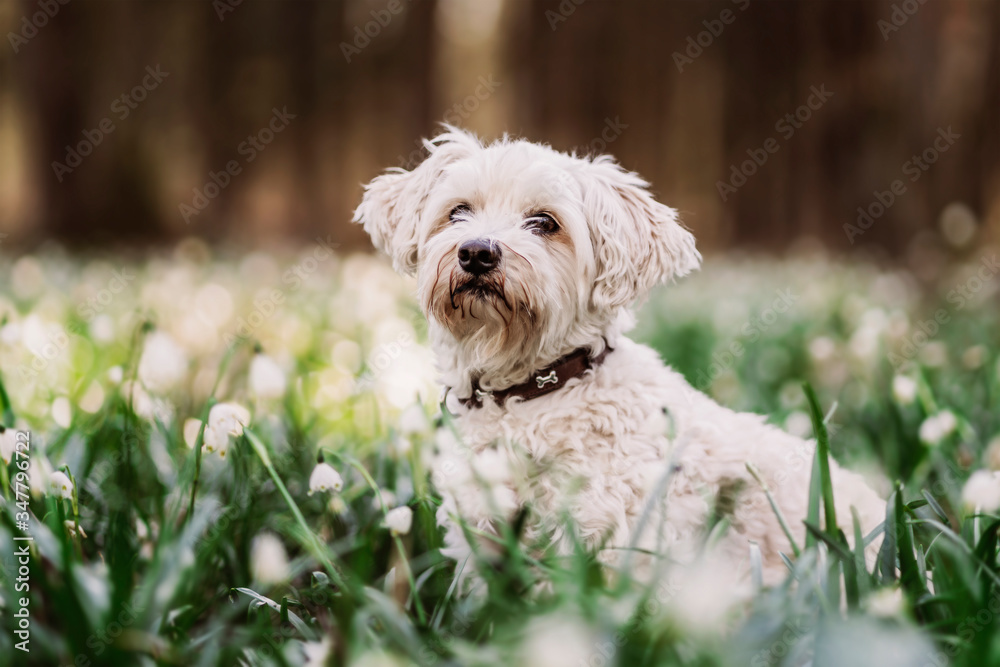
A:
142,404
325,478
102,328
163,363
492,466
62,412
267,380
60,485
938,427
224,420
399,520
191,428
904,389
705,596
229,418
982,491
10,334
886,603
337,505
268,560
799,424
992,455
413,420
93,398
822,348
934,354
115,374
557,641
8,445
974,357
384,497
317,653
216,441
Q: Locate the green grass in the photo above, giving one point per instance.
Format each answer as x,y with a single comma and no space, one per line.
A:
152,560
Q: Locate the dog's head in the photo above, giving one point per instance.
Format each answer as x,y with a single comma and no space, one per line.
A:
522,252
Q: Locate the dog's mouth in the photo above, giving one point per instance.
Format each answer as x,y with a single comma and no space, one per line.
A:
481,288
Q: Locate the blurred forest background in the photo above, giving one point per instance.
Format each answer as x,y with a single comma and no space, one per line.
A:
679,91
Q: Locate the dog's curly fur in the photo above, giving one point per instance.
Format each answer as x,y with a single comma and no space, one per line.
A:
599,448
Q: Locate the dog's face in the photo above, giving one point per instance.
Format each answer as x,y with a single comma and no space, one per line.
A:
520,250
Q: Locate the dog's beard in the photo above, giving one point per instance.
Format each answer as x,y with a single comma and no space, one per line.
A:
494,317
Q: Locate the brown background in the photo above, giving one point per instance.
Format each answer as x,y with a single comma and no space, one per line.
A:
602,61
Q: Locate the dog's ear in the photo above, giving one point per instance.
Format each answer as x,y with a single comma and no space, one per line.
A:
394,202
638,242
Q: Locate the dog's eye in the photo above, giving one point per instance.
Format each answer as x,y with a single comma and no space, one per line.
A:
460,212
542,223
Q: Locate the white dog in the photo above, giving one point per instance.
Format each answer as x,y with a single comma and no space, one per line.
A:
527,262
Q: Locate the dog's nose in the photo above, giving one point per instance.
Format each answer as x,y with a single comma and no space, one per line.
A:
478,256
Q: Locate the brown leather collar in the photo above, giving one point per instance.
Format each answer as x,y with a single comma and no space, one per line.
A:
549,379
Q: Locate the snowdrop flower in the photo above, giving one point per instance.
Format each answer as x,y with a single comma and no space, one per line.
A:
215,441
974,357
60,485
399,520
92,399
799,424
413,420
191,428
102,328
324,478
982,491
115,375
557,641
8,445
229,418
317,653
163,363
704,599
268,559
224,420
886,603
904,389
10,334
267,380
62,412
821,348
934,354
142,404
383,497
71,528
992,456
337,505
938,427
492,466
